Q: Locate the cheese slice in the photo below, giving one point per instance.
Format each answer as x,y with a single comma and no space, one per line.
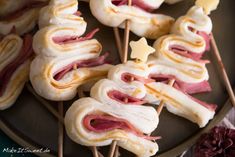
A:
208,5
141,50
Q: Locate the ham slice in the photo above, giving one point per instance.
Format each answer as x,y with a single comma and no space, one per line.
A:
207,39
188,54
192,55
211,107
189,88
81,64
78,13
125,98
104,123
7,72
128,77
138,3
73,39
193,88
21,11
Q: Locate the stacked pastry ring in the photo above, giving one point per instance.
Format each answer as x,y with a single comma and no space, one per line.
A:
64,59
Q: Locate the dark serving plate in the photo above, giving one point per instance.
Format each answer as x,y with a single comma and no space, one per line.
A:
31,125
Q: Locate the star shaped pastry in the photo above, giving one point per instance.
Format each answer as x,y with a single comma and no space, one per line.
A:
141,50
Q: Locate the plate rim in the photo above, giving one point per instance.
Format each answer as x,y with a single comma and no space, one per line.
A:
11,133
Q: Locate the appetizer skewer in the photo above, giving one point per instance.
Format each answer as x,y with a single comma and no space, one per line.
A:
114,99
124,55
178,57
110,98
64,59
16,55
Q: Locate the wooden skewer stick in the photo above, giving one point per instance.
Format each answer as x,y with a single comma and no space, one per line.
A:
222,70
118,42
61,130
124,60
126,37
94,152
81,92
112,149
117,153
45,104
161,105
54,112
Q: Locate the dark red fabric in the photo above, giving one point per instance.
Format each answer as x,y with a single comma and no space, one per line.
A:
219,142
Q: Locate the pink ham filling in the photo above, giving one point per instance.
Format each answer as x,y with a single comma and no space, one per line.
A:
73,39
21,11
78,13
138,3
101,60
6,73
183,52
104,123
80,63
207,39
211,107
192,55
125,98
128,77
190,88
